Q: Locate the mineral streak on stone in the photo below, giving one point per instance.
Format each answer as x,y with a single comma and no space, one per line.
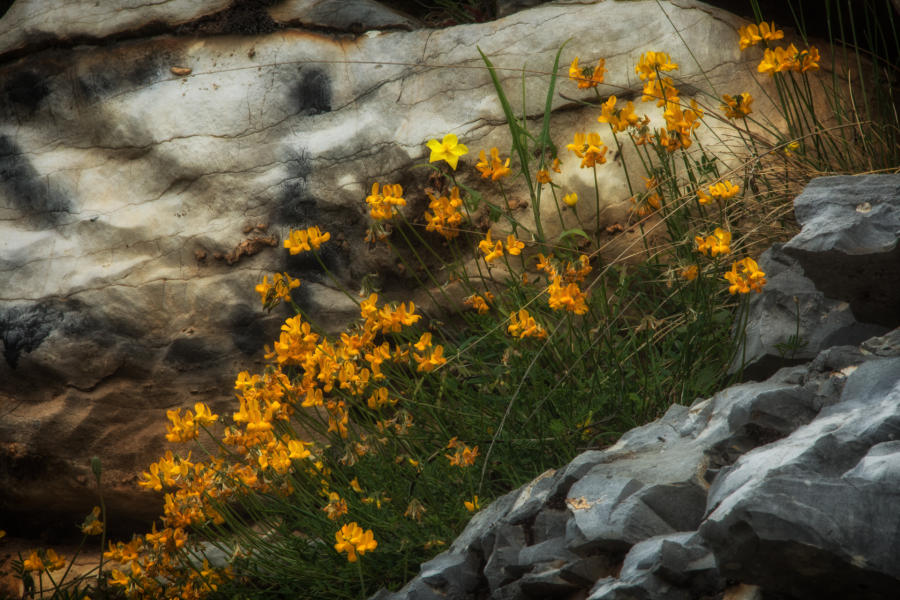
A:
126,185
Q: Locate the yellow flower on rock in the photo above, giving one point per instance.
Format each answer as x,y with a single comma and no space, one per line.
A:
587,77
651,62
305,240
589,148
744,276
448,149
353,540
751,34
571,199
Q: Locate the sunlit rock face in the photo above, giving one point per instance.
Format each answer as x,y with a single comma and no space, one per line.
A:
153,157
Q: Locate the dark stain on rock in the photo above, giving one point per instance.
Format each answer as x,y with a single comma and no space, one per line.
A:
24,327
243,17
122,71
28,190
189,353
25,90
312,94
297,204
248,330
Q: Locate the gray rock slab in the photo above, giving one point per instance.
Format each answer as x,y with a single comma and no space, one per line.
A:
848,243
791,321
821,502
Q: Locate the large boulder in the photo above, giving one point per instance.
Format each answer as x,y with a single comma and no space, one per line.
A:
154,155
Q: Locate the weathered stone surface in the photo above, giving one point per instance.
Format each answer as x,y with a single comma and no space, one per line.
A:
848,244
671,567
791,321
147,183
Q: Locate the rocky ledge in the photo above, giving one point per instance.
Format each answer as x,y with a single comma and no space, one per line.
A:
776,489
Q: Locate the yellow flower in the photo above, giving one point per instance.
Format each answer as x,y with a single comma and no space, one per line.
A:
689,273
448,149
651,62
445,217
352,539
479,302
555,166
569,297
769,32
571,199
33,563
737,107
354,483
305,240
92,524
718,191
589,148
495,169
463,456
749,277
543,176
514,246
808,60
587,77
492,251
432,361
336,507
523,325
718,243
473,505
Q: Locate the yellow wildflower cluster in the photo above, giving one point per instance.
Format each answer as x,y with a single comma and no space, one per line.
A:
463,456
383,204
305,240
353,540
720,191
589,148
563,290
495,168
185,428
737,107
493,250
93,525
523,325
648,202
717,243
781,59
445,217
752,34
280,289
43,560
778,59
479,302
744,276
587,77
622,118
